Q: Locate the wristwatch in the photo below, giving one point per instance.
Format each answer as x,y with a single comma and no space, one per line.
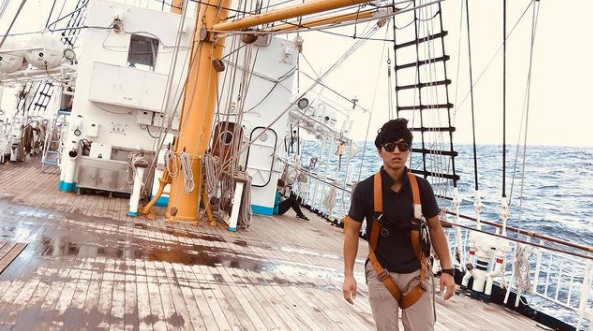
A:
448,271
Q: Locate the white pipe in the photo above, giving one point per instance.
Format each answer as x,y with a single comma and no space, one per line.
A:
233,220
482,260
469,266
498,270
135,197
69,168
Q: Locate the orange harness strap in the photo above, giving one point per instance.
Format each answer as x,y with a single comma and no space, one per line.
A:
415,294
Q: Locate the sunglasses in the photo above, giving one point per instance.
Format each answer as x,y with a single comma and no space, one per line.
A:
402,146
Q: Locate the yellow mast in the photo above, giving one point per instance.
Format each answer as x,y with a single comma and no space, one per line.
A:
200,93
198,110
311,7
177,6
323,21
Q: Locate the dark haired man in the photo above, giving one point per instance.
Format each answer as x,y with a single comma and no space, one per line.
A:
396,269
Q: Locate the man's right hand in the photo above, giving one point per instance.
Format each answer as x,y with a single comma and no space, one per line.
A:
349,289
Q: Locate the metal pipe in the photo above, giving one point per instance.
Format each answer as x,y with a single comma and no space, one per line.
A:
527,233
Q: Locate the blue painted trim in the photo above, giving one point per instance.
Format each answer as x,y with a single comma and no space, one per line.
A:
162,201
132,213
63,186
232,229
261,210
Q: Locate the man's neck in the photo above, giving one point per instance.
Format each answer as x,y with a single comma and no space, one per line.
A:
395,174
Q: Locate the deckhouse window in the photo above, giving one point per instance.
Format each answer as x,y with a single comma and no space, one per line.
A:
143,51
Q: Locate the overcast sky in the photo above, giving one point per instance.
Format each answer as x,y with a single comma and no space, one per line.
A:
560,107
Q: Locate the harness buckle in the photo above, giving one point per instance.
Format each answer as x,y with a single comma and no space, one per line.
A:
383,274
423,285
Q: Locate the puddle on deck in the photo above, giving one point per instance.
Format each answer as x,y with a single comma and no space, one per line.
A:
74,235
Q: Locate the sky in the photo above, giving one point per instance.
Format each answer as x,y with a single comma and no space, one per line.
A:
560,112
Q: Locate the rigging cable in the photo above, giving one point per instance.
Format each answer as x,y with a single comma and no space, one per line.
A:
526,102
504,96
496,53
370,116
51,11
469,50
12,23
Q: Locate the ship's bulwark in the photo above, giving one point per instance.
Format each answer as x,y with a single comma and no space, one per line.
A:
88,265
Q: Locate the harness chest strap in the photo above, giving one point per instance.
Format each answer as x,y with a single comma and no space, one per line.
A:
411,297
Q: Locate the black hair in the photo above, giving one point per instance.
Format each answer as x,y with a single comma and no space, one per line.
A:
281,183
392,131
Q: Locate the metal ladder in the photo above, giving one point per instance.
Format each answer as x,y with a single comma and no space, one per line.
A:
422,91
54,140
57,130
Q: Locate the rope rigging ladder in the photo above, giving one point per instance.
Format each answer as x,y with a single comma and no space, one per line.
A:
418,93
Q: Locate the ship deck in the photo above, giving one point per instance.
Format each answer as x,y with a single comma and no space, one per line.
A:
87,265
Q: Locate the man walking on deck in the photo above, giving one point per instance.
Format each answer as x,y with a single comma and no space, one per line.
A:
399,208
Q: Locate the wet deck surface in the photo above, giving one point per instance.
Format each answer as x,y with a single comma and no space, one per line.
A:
87,265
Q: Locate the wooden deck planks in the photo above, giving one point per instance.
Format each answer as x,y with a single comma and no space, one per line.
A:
283,274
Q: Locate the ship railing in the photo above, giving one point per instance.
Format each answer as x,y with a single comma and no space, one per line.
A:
559,274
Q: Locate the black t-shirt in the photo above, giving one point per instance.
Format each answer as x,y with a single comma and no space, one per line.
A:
394,247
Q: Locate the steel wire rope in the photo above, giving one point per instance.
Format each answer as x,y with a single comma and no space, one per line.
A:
390,98
3,7
459,33
214,169
356,45
473,116
244,87
496,53
266,128
322,28
370,116
67,15
526,109
12,23
51,11
229,188
246,82
337,93
166,102
440,162
504,98
433,98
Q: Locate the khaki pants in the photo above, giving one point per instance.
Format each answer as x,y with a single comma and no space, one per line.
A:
418,317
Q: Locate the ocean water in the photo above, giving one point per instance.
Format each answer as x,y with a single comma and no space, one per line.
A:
550,188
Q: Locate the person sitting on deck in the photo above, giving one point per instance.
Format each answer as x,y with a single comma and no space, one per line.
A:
282,206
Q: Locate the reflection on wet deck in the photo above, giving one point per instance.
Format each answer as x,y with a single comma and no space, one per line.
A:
90,266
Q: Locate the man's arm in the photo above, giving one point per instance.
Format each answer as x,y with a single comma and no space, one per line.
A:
350,251
441,248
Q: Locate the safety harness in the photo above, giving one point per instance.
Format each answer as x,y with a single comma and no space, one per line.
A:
421,252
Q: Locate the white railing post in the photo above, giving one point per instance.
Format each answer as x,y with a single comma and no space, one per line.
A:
584,310
538,265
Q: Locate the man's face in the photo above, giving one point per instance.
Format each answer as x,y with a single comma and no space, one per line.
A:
394,154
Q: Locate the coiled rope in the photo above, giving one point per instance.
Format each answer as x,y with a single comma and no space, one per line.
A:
170,159
521,265
132,158
211,165
188,183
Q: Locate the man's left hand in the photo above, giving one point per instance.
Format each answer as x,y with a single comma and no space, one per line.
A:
447,282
